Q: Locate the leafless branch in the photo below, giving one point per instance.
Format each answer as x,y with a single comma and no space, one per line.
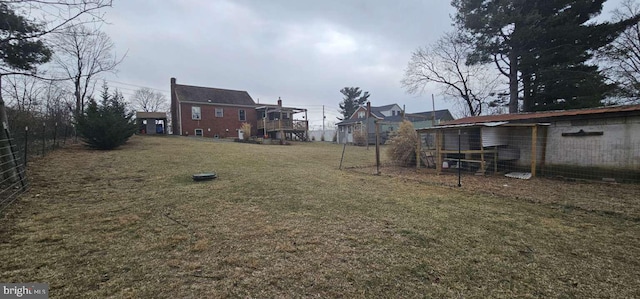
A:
82,53
147,100
623,55
57,15
444,63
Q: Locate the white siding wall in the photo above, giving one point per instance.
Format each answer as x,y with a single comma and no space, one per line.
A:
619,146
520,139
328,135
494,136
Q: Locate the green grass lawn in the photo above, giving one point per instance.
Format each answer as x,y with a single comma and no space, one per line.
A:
283,221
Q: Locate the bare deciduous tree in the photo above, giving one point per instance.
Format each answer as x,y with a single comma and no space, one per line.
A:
82,53
25,25
444,64
56,15
623,55
45,17
22,93
147,100
32,101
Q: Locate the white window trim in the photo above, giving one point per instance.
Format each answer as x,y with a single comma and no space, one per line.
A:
216,112
195,116
245,115
195,132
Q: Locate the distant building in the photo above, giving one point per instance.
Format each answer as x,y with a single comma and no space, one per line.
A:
151,123
389,118
581,142
220,113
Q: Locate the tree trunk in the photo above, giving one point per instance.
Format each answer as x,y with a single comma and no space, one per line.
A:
513,81
527,98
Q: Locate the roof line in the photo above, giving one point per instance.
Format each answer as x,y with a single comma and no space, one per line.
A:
210,87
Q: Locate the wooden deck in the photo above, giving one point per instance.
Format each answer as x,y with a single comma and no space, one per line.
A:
286,125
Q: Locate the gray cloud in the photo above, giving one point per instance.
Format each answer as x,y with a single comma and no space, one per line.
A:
302,51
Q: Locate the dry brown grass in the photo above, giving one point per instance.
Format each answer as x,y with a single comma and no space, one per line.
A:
282,221
614,200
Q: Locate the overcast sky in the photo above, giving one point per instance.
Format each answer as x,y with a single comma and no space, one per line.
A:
301,51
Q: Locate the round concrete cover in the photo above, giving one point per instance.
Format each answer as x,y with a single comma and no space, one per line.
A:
204,176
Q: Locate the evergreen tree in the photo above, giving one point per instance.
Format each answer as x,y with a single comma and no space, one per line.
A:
19,50
353,98
544,45
107,125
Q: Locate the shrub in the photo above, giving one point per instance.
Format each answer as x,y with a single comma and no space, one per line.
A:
108,125
246,127
402,146
359,138
322,137
335,136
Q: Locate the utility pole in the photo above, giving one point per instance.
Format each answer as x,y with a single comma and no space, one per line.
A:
433,112
323,118
404,108
368,113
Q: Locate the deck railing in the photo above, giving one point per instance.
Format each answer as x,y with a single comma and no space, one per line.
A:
282,124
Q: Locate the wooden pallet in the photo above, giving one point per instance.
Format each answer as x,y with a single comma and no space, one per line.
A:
428,159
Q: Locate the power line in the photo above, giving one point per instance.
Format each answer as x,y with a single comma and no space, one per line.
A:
139,86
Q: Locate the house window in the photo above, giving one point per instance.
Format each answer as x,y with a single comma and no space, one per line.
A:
219,112
361,114
285,115
349,129
242,115
195,113
198,132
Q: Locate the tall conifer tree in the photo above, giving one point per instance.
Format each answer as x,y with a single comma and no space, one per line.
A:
543,47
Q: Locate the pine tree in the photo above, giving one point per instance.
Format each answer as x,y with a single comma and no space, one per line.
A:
107,125
18,49
353,98
548,42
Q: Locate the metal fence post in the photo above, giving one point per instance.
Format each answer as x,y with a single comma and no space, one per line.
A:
26,145
55,134
15,159
66,128
44,140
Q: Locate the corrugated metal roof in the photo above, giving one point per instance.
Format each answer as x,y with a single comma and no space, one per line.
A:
480,125
540,115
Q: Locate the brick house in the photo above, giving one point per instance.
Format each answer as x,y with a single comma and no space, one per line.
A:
210,112
220,113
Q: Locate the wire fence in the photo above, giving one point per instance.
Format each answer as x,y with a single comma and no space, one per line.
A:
520,152
19,147
13,178
542,151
